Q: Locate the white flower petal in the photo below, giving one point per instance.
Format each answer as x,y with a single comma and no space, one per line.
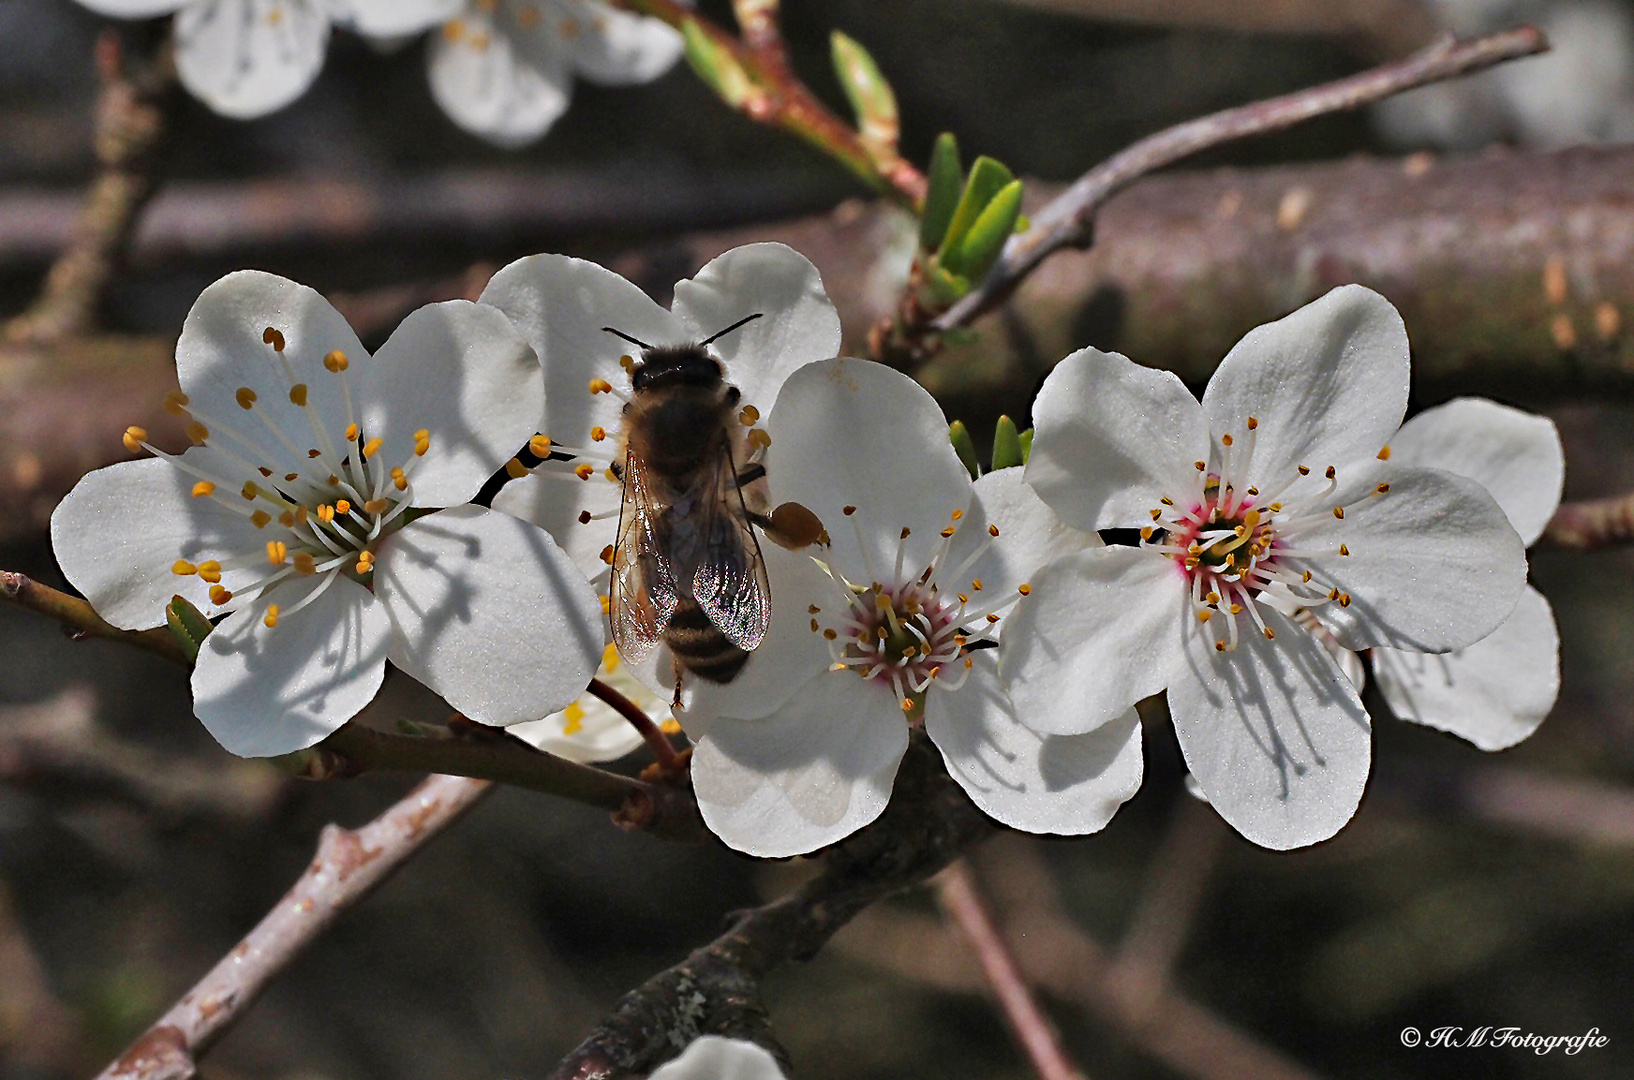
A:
853,433
812,773
393,18
489,87
1101,630
1030,535
247,58
488,611
614,47
1112,437
560,305
1067,784
263,691
134,9
1328,384
122,528
1515,455
223,348
461,372
1493,693
553,500
797,324
789,656
1274,733
712,1057
1433,565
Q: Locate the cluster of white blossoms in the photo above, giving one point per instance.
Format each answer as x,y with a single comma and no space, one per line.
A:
323,518
501,69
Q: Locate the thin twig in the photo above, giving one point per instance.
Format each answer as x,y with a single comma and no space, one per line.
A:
349,865
960,898
77,616
784,101
665,809
130,124
1068,221
668,759
1585,526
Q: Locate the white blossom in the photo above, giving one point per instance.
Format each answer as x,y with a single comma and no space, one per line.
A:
1497,691
561,306
897,621
322,510
1274,495
590,730
715,1057
504,69
247,58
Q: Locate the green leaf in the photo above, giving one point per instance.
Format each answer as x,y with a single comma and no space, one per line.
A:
1006,444
945,288
1026,446
188,624
987,178
717,67
944,181
869,93
982,244
964,446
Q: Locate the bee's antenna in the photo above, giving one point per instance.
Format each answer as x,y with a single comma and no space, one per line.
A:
728,330
643,344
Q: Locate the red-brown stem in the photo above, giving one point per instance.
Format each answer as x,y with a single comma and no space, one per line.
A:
668,759
1585,526
788,104
962,901
349,865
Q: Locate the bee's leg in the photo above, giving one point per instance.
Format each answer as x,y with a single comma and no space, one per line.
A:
617,468
750,474
675,702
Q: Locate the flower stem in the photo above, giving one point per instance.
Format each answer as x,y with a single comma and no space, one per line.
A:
79,617
662,749
784,101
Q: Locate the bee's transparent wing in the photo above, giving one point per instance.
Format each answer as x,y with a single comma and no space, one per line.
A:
730,581
642,596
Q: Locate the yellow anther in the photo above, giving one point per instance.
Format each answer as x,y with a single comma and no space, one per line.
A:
670,726
134,438
540,446
1339,512
1384,453
423,435
609,659
203,488
333,480
219,595
290,477
1304,470
1252,423
210,571
399,479
976,583
372,447
272,337
352,433
1147,532
597,434
1205,615
376,506
314,452
1024,590
264,471
758,438
1212,597
270,620
1344,599
814,626
287,519
584,470
1219,646
906,532
830,634
250,491
606,605
573,719
1381,489
907,704
1306,576
453,30
848,510
1343,550
1329,473
260,519
305,563
326,513
421,446
183,568
963,599
992,530
300,515
297,395
969,663
1166,501
1200,466
947,532
1156,514
277,552
245,396
748,416
626,361
1225,440
365,562
1269,633
607,554
1236,609
610,474
176,403
600,386
992,618
336,361
342,506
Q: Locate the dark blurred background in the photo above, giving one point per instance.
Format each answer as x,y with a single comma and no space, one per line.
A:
1470,890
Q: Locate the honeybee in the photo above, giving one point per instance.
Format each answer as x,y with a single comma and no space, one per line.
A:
687,568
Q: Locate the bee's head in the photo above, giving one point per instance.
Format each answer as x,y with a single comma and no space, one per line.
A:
677,365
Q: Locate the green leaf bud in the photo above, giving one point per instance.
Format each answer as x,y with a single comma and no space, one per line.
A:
188,624
987,178
872,100
1006,444
944,179
964,446
717,67
982,244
